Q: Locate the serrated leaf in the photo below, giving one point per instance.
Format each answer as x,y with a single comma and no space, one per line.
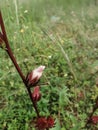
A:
57,125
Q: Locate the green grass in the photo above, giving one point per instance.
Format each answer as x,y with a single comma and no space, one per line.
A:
63,36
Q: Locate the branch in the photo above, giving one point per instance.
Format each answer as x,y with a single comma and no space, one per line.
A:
10,53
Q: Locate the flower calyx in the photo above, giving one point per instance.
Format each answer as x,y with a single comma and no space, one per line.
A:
36,95
33,77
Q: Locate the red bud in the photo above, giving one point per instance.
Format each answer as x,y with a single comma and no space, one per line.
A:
36,95
41,123
35,75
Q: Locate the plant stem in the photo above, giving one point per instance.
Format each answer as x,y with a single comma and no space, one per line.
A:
16,9
10,53
8,49
34,104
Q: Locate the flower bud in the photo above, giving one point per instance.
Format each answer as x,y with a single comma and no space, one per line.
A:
41,123
34,76
36,95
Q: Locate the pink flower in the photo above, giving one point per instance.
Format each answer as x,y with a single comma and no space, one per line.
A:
94,119
36,95
35,75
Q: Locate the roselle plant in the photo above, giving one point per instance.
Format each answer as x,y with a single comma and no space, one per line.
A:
31,80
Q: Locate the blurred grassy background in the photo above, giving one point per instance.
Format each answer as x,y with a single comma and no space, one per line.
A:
62,35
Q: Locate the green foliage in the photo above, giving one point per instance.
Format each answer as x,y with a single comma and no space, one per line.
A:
62,35
57,126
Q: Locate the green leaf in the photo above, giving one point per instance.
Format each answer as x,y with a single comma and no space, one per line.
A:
57,125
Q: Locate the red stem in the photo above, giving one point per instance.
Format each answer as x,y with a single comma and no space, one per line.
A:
10,53
9,49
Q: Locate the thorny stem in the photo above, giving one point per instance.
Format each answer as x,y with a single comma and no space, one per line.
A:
10,53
